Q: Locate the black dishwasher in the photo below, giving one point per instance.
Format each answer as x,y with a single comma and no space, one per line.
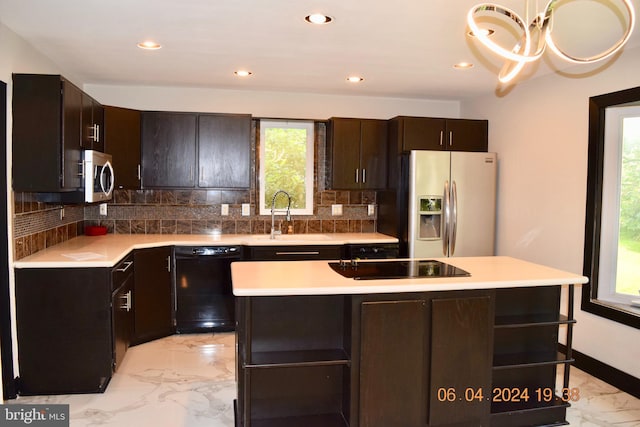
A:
204,299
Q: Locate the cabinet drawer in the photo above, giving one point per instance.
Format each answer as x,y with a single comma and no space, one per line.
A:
294,253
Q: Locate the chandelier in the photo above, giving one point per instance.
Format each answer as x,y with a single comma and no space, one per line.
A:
535,38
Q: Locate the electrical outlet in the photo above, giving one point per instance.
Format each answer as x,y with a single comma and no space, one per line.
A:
103,209
371,210
336,210
224,209
246,209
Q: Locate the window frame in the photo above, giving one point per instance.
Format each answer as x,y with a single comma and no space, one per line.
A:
309,125
593,218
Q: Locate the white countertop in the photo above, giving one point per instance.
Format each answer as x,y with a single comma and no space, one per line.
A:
107,250
282,278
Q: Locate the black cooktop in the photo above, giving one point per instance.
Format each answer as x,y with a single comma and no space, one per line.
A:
370,270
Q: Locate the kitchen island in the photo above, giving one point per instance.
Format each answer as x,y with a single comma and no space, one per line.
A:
319,349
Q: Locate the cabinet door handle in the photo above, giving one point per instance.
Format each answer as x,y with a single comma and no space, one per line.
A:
139,172
127,301
126,267
451,138
364,176
81,167
441,137
191,173
95,135
169,263
357,175
202,174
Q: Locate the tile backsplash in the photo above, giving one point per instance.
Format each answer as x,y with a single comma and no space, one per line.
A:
199,212
38,225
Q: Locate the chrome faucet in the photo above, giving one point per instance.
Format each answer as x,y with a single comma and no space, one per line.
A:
273,209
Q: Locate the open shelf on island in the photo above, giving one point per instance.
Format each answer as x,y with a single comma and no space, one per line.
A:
531,320
270,359
322,420
534,412
527,359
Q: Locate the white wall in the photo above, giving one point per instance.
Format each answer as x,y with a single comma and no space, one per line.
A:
539,131
268,104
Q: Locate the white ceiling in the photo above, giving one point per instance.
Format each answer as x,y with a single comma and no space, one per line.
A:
403,48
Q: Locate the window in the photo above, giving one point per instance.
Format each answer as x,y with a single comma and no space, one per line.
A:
286,163
612,226
619,273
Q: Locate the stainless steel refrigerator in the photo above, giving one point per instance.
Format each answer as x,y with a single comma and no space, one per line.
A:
452,203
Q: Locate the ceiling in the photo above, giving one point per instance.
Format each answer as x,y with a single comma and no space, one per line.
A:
402,48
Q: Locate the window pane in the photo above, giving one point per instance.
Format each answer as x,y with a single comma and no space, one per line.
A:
285,166
286,163
628,265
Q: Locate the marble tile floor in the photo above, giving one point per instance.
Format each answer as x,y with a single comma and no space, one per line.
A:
189,381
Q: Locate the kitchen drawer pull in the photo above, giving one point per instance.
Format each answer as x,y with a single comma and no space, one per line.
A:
169,263
127,264
299,253
357,176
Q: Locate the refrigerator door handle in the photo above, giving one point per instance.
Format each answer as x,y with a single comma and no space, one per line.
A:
454,218
445,219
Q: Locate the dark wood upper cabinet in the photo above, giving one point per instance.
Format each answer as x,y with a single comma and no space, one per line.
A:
189,150
168,149
467,135
359,153
424,133
345,155
92,124
418,133
122,141
224,150
47,150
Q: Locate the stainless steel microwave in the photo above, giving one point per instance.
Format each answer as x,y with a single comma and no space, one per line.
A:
98,176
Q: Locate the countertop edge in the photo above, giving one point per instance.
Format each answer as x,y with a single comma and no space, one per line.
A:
317,278
109,249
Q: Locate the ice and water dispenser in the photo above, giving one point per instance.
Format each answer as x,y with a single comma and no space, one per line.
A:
430,215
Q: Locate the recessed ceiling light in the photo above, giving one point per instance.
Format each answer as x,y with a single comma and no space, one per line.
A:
354,79
463,65
149,45
242,73
318,19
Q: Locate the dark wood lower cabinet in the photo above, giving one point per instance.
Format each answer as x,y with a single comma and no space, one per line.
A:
63,319
461,362
413,359
393,352
153,297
